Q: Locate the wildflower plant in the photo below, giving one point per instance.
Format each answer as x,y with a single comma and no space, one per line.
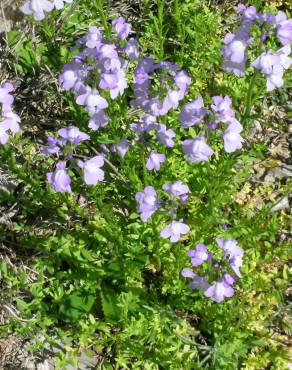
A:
9,121
133,182
256,32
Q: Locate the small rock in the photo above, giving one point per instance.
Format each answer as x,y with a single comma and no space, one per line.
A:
256,129
44,366
282,204
277,173
259,171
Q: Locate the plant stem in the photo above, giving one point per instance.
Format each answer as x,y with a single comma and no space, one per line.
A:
249,100
99,6
160,28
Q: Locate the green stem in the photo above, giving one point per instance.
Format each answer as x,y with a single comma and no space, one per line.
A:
160,5
99,7
249,97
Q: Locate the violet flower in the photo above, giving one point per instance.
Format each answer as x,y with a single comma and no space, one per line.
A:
132,49
122,147
121,28
5,90
176,188
174,231
98,120
148,203
4,137
284,28
92,100
154,161
197,150
187,273
199,255
200,283
59,4
230,247
232,140
72,134
218,291
193,113
59,179
165,136
37,8
91,169
272,65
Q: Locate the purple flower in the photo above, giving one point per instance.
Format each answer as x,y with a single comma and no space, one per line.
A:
219,290
234,49
173,86
249,14
99,119
4,137
72,75
154,161
174,231
184,199
5,97
182,80
176,188
37,8
91,99
120,86
222,107
197,150
230,247
52,146
232,140
236,263
165,136
132,49
59,179
229,279
11,121
108,80
200,283
122,147
73,135
148,203
92,172
273,65
59,4
192,113
187,273
93,38
147,123
121,28
284,28
199,255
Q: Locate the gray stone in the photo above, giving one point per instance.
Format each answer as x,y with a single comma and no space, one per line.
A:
278,173
281,204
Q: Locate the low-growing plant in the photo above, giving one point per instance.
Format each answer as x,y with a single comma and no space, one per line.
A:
138,173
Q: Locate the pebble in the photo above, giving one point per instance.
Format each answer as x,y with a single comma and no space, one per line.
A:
282,204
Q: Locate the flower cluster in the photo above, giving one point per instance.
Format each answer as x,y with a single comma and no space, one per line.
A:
37,8
69,139
9,121
97,68
148,204
223,286
271,64
194,113
159,87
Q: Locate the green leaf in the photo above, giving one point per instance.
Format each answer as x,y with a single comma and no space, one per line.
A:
76,304
286,272
109,303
